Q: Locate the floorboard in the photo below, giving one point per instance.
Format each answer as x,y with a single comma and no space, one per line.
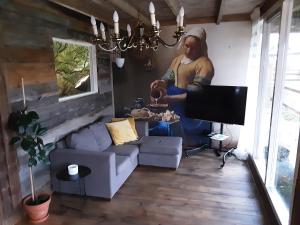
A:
197,193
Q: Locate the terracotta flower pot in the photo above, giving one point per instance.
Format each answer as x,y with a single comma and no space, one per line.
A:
37,213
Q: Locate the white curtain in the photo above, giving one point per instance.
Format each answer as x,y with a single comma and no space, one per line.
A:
247,132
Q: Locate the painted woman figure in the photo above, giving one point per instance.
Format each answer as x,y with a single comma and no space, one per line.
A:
187,71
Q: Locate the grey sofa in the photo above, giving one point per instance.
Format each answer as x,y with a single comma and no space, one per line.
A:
110,165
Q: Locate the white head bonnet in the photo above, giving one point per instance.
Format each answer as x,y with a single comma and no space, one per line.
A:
196,32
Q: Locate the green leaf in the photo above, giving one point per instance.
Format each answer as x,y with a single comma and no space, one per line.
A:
49,147
32,162
24,120
32,152
42,155
40,141
26,144
41,131
15,141
35,128
32,115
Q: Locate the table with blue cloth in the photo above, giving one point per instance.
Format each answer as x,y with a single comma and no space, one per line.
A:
193,131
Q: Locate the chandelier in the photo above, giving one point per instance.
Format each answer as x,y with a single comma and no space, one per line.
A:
139,38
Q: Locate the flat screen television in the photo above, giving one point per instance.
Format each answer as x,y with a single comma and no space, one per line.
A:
223,104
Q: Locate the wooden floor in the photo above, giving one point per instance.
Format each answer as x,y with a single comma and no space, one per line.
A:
198,193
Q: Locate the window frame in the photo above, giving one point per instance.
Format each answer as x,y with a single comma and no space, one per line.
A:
286,11
93,68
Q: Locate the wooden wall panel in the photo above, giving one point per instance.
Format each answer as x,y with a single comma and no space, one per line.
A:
29,40
26,54
27,28
9,178
33,73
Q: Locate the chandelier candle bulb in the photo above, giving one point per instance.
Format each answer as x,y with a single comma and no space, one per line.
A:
23,93
94,25
157,25
177,20
181,14
102,28
116,22
128,30
152,13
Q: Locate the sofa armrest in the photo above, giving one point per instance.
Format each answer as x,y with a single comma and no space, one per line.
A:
102,165
142,128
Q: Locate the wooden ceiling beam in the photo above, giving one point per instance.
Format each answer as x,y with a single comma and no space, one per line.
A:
174,5
130,10
90,9
220,9
210,19
268,5
200,20
236,17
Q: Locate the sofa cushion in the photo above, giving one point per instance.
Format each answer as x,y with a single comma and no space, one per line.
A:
125,150
161,145
83,140
122,163
121,132
101,135
130,120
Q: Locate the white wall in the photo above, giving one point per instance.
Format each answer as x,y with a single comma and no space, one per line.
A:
228,48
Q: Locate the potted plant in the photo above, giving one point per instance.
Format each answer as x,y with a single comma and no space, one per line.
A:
28,136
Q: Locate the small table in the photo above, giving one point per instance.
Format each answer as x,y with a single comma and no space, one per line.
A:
164,128
83,171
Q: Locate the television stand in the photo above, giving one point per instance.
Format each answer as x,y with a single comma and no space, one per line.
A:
189,151
227,153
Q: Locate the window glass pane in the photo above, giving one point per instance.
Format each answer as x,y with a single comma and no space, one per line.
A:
272,32
289,120
72,67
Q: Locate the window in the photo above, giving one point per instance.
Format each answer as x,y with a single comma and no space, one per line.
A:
75,67
267,84
278,122
289,117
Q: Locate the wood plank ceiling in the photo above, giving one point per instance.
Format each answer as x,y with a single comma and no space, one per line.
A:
196,11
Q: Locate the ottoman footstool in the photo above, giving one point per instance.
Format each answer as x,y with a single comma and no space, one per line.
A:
160,151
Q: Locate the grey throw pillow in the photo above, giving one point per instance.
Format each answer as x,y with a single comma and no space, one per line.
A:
83,140
101,135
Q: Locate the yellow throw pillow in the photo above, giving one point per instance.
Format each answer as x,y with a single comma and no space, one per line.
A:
121,132
131,121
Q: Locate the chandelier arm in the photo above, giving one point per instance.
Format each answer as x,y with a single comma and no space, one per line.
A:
128,44
131,41
107,50
120,48
168,45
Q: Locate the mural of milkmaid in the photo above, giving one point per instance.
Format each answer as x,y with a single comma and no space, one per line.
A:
188,71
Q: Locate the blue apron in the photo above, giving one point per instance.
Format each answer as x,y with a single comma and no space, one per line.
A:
193,131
